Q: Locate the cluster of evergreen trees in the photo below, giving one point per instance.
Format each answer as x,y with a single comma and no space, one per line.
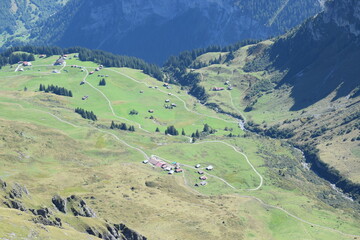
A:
112,60
207,130
122,126
172,131
56,90
102,82
13,58
198,64
86,114
133,112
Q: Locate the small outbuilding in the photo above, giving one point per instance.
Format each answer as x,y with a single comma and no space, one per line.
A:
197,165
203,183
203,178
145,161
209,168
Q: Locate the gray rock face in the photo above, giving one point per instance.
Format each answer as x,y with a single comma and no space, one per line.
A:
59,203
16,205
44,212
48,221
116,232
129,234
78,207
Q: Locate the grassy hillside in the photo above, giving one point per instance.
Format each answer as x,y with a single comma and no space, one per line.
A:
259,188
330,124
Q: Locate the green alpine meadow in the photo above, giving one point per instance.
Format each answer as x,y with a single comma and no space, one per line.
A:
115,124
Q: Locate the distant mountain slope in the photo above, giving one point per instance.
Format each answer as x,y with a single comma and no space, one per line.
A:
17,17
154,30
321,55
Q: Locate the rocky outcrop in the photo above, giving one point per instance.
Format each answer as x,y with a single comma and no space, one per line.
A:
15,205
78,207
59,203
115,232
129,234
18,191
73,205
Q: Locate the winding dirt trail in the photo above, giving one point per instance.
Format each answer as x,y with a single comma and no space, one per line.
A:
234,148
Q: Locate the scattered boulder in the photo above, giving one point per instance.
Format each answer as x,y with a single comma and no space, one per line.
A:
59,203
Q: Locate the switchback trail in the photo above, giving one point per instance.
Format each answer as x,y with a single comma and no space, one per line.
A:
244,196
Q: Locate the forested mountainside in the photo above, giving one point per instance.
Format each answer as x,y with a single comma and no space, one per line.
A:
302,86
154,30
17,17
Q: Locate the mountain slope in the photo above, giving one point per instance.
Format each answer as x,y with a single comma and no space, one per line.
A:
320,55
303,86
17,17
154,30
65,157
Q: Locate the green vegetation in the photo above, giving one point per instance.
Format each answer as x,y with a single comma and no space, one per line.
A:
44,142
171,130
56,90
122,126
102,82
86,114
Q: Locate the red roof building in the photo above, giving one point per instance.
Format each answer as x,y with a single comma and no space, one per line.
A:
203,178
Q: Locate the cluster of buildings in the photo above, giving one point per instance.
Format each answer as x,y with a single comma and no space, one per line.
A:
170,168
229,87
202,177
175,168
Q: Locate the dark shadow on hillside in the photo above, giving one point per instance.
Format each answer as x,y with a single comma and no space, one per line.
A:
318,67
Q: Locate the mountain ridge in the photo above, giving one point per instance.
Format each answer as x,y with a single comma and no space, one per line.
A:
154,30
